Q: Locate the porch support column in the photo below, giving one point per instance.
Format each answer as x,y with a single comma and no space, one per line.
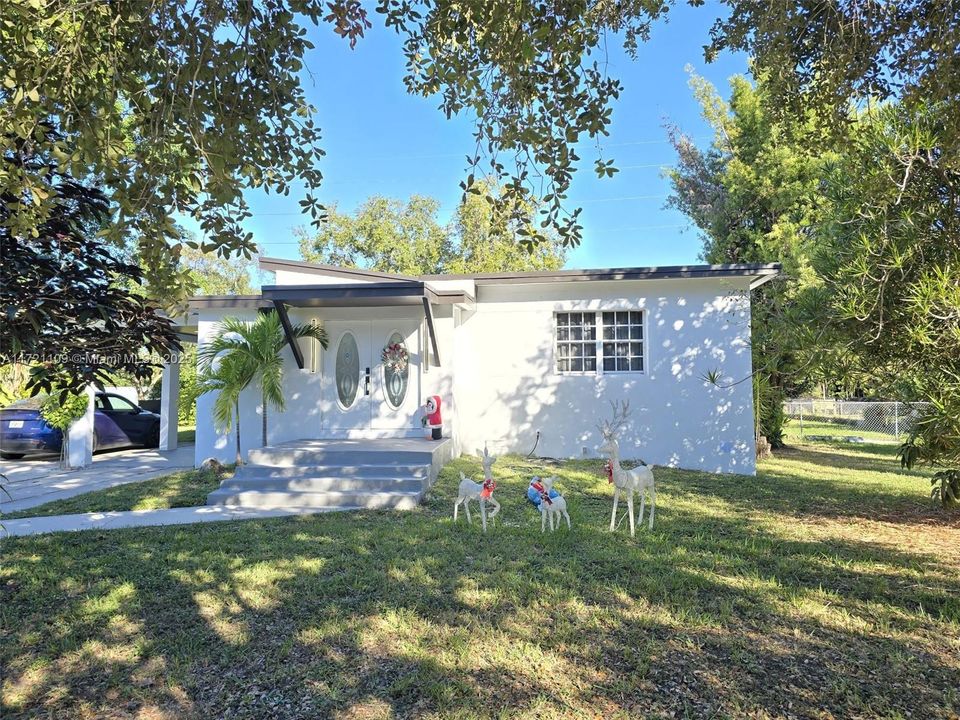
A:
169,397
288,332
80,436
428,313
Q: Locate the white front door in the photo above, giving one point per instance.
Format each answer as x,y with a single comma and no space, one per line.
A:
362,393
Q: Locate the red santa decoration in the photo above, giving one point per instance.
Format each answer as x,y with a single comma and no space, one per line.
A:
432,417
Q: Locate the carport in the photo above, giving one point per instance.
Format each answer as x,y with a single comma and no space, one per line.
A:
81,432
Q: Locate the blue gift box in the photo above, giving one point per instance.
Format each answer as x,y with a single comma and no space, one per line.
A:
534,497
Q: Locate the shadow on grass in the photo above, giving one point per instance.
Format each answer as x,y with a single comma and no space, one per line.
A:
404,615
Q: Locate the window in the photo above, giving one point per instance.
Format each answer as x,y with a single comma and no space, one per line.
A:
121,404
347,370
395,381
623,341
617,348
577,342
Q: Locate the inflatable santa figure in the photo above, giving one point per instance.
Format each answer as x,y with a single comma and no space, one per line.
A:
432,417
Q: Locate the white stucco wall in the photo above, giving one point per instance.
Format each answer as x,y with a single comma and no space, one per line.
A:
508,388
499,385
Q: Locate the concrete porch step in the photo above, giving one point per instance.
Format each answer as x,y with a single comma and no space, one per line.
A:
397,500
310,483
298,456
365,470
341,474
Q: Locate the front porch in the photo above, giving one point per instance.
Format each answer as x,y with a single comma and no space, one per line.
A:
342,474
343,390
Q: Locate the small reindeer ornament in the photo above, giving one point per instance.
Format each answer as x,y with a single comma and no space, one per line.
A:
551,506
640,479
481,492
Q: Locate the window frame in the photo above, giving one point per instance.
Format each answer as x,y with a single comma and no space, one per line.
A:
383,372
557,341
643,341
598,341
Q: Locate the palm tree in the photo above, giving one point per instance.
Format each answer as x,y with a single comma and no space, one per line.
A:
228,377
242,352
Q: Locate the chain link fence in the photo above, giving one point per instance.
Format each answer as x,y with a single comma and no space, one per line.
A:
856,420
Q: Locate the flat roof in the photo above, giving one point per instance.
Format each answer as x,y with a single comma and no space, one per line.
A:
386,288
762,272
274,264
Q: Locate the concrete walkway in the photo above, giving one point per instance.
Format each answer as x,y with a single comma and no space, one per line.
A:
32,483
144,518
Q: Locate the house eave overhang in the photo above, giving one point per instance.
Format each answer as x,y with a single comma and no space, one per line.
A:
759,272
372,294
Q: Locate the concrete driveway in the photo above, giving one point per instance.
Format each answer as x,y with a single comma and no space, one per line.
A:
35,482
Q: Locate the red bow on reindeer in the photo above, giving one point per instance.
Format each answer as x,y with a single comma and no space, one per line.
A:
488,487
609,468
542,489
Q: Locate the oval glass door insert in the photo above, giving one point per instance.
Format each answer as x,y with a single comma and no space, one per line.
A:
347,369
395,381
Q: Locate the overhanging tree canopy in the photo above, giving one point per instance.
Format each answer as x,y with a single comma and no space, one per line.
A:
182,107
69,302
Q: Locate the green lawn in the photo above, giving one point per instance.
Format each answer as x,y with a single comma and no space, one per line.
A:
186,433
181,489
837,430
828,586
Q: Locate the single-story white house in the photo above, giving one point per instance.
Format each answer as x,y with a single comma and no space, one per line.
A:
524,362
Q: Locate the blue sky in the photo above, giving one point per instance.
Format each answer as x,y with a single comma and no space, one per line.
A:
379,140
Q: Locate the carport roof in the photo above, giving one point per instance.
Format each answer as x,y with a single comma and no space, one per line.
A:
362,294
368,294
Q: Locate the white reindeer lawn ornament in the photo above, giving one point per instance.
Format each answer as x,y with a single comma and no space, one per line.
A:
639,479
481,492
550,507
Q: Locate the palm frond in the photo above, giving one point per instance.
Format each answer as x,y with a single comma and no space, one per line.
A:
243,351
316,332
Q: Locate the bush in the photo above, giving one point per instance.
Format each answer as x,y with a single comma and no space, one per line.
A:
770,416
945,486
935,440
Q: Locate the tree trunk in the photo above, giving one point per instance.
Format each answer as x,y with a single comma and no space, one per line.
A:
263,420
239,456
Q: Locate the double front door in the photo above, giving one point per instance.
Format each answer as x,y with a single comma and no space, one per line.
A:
363,392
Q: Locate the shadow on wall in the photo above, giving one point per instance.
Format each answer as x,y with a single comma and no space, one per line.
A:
677,418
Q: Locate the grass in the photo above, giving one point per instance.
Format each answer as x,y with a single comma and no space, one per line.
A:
828,586
819,427
186,434
181,489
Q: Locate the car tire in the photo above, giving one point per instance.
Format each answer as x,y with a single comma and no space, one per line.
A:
11,456
153,438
